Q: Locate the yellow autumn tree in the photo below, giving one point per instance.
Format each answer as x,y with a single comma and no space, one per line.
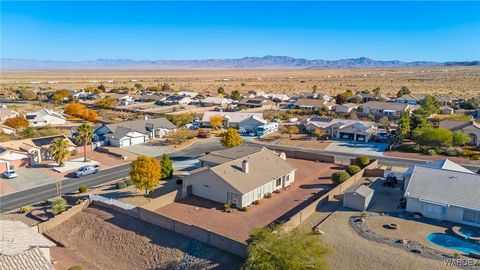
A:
216,121
145,173
231,138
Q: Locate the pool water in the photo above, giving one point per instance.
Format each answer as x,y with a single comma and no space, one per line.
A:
469,232
452,242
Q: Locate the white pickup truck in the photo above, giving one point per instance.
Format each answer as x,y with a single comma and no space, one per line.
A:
86,170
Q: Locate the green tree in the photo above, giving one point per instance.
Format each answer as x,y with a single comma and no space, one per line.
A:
271,249
403,91
231,138
339,177
138,86
236,95
221,91
403,129
166,167
145,173
290,130
460,138
59,151
437,137
314,89
419,119
429,105
84,136
318,133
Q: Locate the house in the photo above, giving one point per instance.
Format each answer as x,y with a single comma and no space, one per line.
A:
134,132
446,110
174,100
385,108
123,99
188,94
241,181
342,128
276,97
444,164
308,95
416,99
222,156
312,104
81,95
21,248
345,108
471,128
361,98
358,197
240,120
215,101
256,102
6,113
443,194
45,117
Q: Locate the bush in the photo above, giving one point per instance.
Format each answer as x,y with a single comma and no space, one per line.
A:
79,201
76,267
83,189
59,205
362,161
353,169
244,209
121,185
410,148
268,195
25,209
256,202
454,152
226,207
340,177
431,152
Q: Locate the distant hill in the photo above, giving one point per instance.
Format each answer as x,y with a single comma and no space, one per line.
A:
266,62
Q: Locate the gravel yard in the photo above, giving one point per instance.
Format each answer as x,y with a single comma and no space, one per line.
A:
351,251
110,240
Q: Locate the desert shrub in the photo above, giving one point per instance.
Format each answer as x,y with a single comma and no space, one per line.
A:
453,152
121,185
456,255
25,209
340,177
128,182
256,202
244,209
226,207
362,161
353,169
432,152
59,205
410,148
83,189
268,195
79,201
76,267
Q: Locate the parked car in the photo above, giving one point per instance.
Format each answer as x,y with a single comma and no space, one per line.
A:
86,170
9,174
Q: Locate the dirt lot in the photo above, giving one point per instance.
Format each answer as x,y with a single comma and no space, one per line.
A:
100,239
310,177
299,140
458,81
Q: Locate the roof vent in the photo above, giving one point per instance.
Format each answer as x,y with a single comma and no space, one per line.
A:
245,166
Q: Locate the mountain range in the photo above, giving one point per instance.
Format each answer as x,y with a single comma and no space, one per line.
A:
265,62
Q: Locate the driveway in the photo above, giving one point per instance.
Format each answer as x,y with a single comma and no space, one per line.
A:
359,148
28,178
147,150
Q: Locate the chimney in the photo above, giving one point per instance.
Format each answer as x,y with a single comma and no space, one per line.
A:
245,166
145,117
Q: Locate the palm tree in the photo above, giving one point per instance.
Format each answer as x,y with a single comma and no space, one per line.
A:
59,151
84,136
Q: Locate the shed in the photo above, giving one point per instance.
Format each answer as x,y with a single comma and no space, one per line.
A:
358,197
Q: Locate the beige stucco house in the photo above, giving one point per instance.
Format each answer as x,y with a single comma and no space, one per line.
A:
240,181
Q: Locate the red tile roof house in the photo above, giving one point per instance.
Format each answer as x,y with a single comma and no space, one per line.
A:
237,176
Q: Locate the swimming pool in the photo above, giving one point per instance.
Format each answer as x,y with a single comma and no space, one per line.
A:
452,242
469,232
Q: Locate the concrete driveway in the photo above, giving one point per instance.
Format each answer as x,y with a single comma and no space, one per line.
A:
359,148
29,178
147,150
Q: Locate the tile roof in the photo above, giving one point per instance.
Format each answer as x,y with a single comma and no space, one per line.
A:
264,166
17,237
33,259
445,187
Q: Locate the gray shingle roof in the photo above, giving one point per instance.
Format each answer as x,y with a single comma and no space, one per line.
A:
385,105
143,126
445,187
18,237
361,190
222,156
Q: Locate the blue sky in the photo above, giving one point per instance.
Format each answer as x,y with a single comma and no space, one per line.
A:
437,31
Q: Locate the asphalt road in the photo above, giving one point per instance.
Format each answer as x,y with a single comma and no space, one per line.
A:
37,194
44,192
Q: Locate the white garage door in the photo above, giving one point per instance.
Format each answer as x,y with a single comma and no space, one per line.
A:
137,140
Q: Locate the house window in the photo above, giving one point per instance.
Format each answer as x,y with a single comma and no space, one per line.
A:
434,209
278,182
471,216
